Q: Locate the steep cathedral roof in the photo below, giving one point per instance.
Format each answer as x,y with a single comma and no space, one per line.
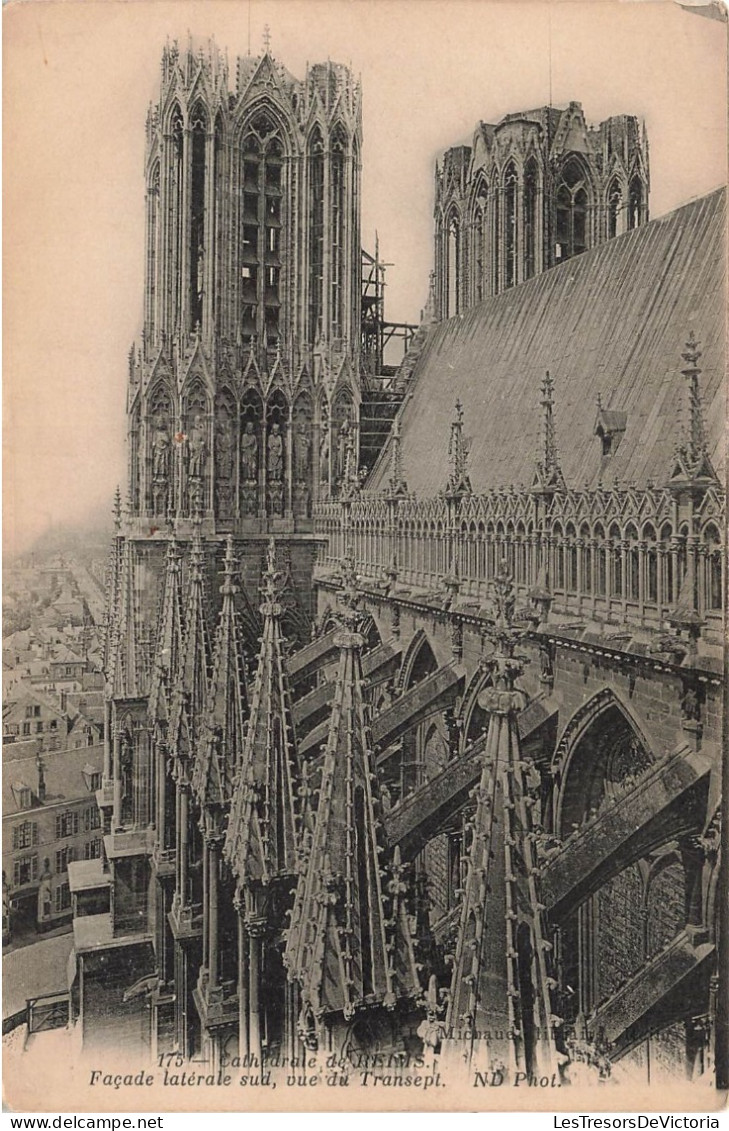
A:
261,837
610,323
349,944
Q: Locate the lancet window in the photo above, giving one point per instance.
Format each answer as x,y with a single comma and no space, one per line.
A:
198,127
511,213
316,234
261,224
453,263
338,197
571,234
531,204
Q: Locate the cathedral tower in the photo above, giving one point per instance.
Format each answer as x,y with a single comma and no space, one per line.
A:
529,193
247,371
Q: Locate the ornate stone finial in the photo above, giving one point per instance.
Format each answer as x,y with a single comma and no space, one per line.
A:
458,450
229,587
390,574
548,476
351,485
397,483
696,441
117,511
692,465
349,614
269,582
266,40
504,596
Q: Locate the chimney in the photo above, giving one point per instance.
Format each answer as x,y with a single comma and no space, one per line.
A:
64,701
41,778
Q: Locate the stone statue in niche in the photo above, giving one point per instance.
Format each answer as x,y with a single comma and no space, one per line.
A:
324,454
249,454
275,454
160,468
224,466
274,470
160,452
197,449
302,451
302,467
225,449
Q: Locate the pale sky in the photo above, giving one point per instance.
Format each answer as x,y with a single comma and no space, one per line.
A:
77,81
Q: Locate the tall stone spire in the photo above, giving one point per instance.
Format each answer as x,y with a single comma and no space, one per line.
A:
692,466
396,484
548,474
459,482
261,839
191,687
220,746
169,640
128,664
501,983
261,843
113,596
349,945
350,486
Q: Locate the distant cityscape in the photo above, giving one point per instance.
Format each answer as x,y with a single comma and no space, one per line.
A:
53,727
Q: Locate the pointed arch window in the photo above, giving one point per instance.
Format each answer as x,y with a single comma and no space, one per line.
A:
261,229
199,128
480,242
600,562
558,571
713,589
668,571
635,203
219,218
571,218
650,579
511,224
633,565
616,587
316,234
496,230
176,229
571,559
152,237
531,197
453,263
338,156
586,555
614,211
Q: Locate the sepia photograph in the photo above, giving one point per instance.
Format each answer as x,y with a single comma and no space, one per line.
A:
364,567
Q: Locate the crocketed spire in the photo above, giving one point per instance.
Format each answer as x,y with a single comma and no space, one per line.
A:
548,475
349,944
261,839
220,746
129,667
501,984
191,687
169,640
692,466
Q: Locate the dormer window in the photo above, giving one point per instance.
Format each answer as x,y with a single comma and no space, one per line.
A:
92,778
609,428
23,795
